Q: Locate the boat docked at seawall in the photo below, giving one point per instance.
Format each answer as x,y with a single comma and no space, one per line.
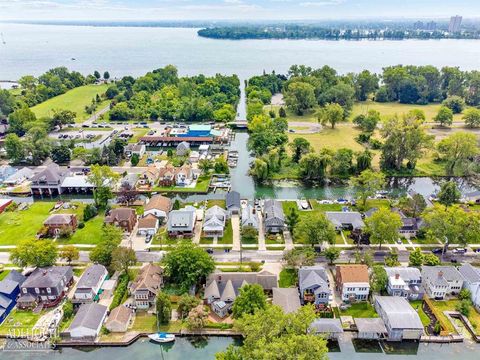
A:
162,337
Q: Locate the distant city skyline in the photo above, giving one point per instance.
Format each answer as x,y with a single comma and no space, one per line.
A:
235,9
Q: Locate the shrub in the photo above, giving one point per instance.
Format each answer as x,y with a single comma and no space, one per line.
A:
254,266
120,292
375,144
463,307
464,294
81,225
363,137
89,212
134,160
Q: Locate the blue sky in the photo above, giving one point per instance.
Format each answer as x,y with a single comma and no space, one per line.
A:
234,9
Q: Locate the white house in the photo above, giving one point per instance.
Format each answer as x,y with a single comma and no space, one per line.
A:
183,148
405,282
249,217
88,322
440,281
90,284
214,223
138,149
471,282
352,282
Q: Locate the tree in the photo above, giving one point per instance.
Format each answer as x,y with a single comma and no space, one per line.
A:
185,304
449,193
367,183
102,252
106,75
332,254
123,258
69,253
413,205
300,146
271,334
249,234
316,230
188,264
465,294
61,154
364,161
342,163
378,279
367,123
35,253
472,117
7,102
163,308
292,219
458,150
416,257
89,212
454,103
127,194
102,178
221,166
15,149
313,167
391,259
225,114
205,165
430,260
464,307
383,226
298,257
197,318
61,118
444,116
97,74
405,138
282,113
20,120
300,97
365,84
135,159
332,114
249,300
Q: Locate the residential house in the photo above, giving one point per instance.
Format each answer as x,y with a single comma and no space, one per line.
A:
146,286
440,281
182,222
135,149
352,282
149,177
183,148
287,298
47,286
274,219
5,172
167,176
193,157
345,220
58,223
370,328
328,328
48,181
471,276
148,225
184,176
214,222
89,285
401,320
129,181
9,291
159,206
119,319
223,287
405,282
249,217
124,218
18,177
410,226
314,285
88,321
232,200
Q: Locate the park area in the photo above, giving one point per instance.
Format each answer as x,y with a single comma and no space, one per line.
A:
74,100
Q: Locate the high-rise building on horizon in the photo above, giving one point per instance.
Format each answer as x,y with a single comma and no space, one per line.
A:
455,24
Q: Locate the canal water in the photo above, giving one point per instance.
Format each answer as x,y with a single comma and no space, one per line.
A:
203,349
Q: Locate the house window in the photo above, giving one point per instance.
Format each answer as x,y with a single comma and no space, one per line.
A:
49,290
37,291
24,290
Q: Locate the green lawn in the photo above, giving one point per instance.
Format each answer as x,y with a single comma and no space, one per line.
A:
226,239
18,321
212,203
148,323
90,234
287,278
137,134
360,310
417,305
4,274
473,317
201,187
309,116
74,100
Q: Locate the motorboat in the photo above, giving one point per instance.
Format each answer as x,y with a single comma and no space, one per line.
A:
161,337
304,204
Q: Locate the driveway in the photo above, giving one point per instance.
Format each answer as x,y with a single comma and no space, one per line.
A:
198,232
261,233
288,240
236,232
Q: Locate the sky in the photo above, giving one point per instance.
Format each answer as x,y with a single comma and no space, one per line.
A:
233,9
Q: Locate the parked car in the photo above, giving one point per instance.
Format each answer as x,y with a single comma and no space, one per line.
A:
453,261
210,251
459,251
148,238
437,250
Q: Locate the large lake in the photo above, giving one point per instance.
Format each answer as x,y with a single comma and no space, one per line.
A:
33,49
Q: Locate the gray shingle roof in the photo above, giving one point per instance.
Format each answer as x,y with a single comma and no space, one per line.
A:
406,273
181,219
399,312
264,278
370,325
7,286
309,276
14,275
46,277
232,199
448,273
91,276
470,273
340,218
273,212
287,298
58,219
89,316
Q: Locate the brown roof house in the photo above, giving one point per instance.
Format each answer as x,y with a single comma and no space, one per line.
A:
167,176
149,177
148,225
124,218
57,224
119,319
159,206
352,282
146,286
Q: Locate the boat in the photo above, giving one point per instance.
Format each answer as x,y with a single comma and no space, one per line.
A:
161,337
304,204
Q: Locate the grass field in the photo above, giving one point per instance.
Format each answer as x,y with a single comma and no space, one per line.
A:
19,321
201,187
360,310
417,305
473,316
287,278
145,322
74,100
